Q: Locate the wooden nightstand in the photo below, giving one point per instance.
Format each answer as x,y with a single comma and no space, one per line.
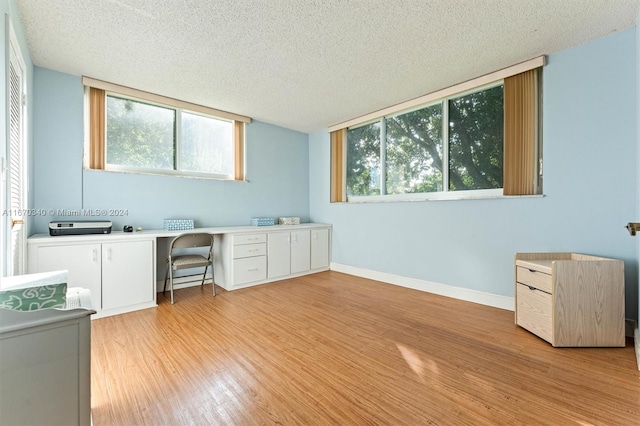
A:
570,299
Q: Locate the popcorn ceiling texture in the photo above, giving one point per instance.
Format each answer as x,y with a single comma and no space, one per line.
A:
304,64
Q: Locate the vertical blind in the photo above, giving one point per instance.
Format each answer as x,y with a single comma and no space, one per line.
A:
238,143
338,138
521,134
97,126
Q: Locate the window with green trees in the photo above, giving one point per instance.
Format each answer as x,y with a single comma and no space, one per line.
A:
453,144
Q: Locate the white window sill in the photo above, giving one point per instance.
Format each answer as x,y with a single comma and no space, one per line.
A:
484,194
158,172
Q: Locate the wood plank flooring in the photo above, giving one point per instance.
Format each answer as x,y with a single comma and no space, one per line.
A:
331,348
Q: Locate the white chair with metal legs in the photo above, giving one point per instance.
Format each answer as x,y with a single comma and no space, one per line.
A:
185,261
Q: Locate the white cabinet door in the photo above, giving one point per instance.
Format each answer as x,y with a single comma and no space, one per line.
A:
81,260
127,273
278,254
319,248
300,251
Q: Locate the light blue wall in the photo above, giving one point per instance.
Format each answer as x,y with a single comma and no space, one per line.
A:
277,172
10,12
590,186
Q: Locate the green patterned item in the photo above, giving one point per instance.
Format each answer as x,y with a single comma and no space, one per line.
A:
34,298
45,290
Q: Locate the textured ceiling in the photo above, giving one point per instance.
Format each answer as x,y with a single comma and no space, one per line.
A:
305,64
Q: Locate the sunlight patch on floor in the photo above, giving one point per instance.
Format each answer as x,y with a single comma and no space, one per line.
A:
418,365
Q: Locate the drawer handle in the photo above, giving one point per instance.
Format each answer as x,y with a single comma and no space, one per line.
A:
532,288
252,269
532,270
252,250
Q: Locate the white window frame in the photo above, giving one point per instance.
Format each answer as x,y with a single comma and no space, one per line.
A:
178,140
445,194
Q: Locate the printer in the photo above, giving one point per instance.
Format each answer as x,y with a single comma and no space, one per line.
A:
79,227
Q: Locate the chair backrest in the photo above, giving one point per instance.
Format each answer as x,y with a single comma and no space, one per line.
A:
192,239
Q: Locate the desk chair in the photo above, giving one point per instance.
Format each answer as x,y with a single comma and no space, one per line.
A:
174,263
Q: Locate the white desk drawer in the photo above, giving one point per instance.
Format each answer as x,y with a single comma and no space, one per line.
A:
249,269
249,250
249,239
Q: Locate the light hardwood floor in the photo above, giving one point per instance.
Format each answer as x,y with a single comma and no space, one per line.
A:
335,349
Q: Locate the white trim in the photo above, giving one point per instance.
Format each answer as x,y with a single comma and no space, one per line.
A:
452,90
123,310
475,296
446,167
128,91
433,196
162,172
636,338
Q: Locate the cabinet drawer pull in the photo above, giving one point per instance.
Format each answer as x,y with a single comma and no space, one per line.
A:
252,269
531,287
252,250
94,252
532,270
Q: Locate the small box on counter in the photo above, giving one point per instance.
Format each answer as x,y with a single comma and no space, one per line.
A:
263,221
293,220
178,224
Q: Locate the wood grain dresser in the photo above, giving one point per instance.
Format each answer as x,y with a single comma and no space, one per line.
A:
570,299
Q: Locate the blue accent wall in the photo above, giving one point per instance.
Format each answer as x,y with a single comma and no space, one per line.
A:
276,165
590,146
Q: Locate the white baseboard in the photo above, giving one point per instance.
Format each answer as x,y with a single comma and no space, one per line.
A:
636,339
488,299
183,282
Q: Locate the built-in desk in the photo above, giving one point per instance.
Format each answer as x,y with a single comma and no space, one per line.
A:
121,269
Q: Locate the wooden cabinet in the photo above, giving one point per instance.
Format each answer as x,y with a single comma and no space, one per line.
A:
570,299
120,274
288,253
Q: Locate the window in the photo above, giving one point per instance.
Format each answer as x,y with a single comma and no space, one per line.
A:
130,130
144,136
475,139
420,152
140,135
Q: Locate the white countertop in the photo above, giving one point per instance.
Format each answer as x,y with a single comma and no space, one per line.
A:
160,233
